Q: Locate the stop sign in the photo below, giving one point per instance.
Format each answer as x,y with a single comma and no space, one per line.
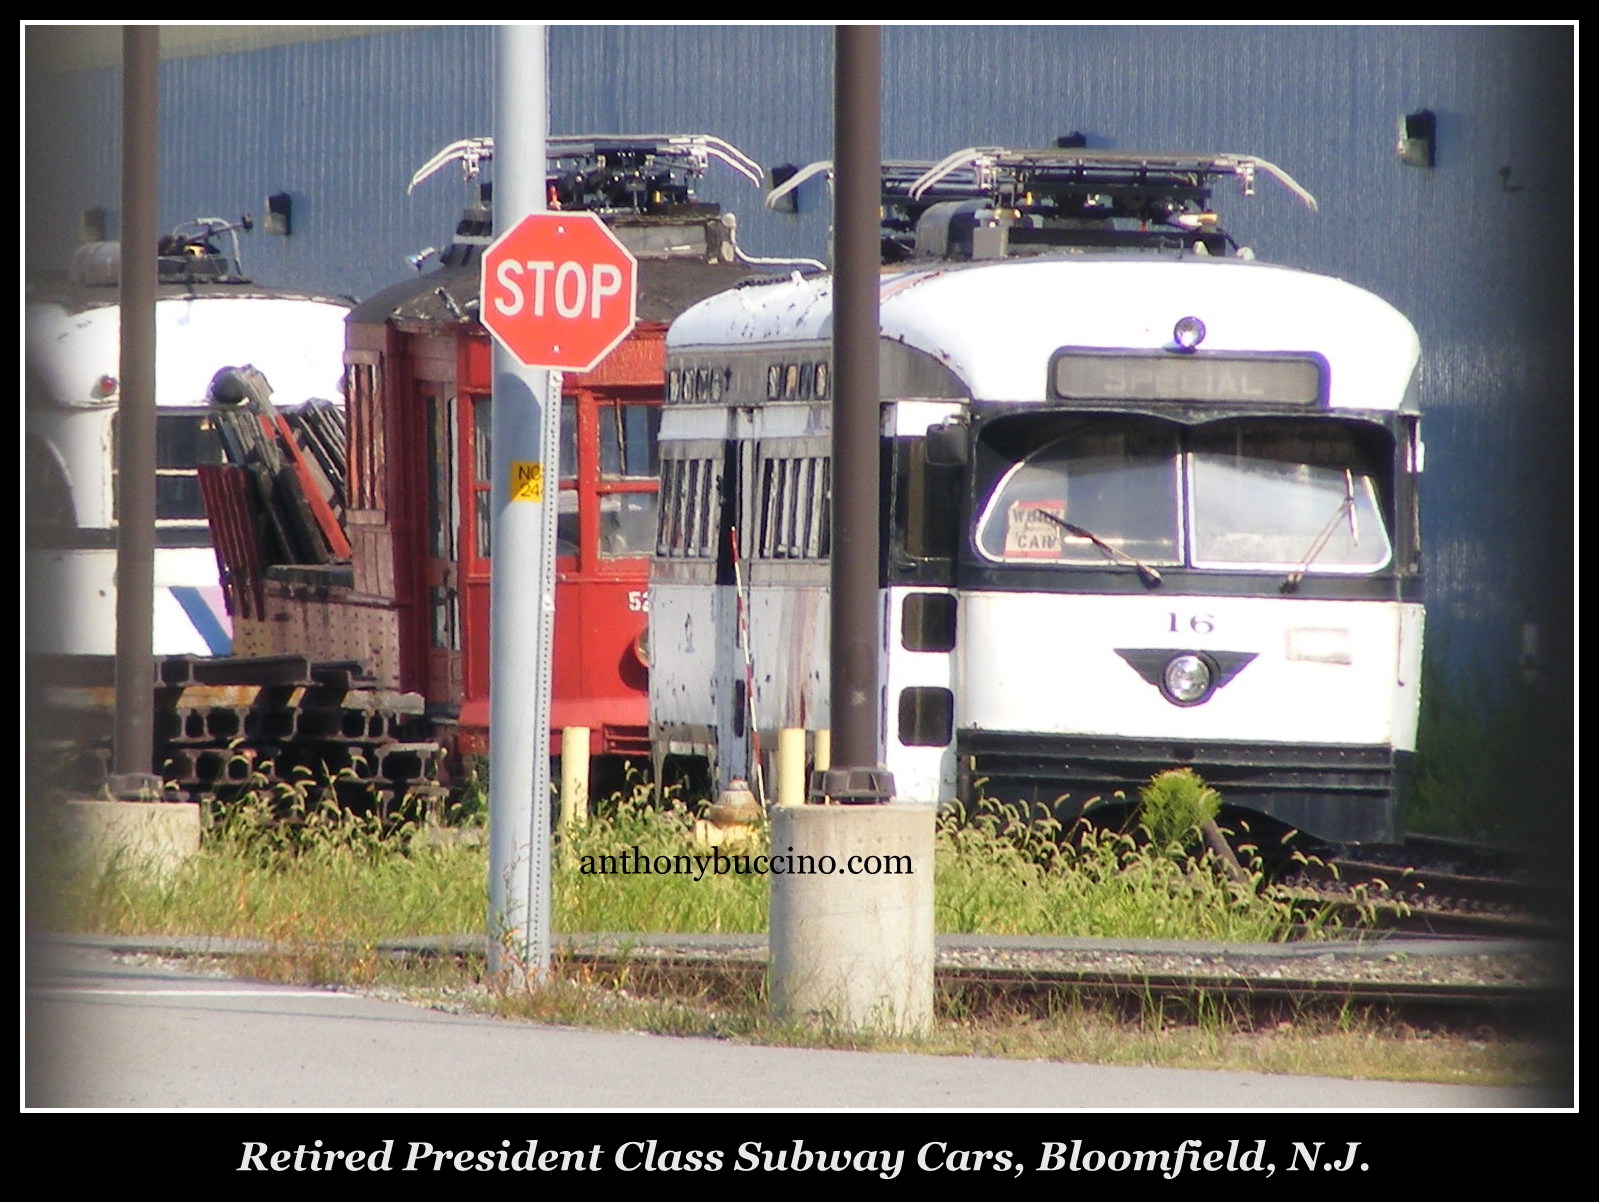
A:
559,291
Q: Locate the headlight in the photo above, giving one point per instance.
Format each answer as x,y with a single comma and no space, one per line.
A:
1187,679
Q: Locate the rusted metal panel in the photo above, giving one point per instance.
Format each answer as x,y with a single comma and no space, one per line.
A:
225,489
325,624
639,362
371,552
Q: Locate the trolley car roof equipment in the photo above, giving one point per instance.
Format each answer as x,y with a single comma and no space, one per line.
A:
1037,200
641,185
972,242
689,153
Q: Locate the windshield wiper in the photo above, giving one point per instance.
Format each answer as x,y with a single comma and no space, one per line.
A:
1346,506
1145,572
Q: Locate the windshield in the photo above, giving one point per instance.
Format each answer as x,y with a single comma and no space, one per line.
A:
1276,495
1118,481
1244,495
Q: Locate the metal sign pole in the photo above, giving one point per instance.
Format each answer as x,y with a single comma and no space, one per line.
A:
525,433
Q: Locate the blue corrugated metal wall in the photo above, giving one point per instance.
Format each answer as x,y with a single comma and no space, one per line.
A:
1475,250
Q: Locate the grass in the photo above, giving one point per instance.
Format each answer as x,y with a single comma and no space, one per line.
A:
326,888
1494,759
633,823
1174,806
1001,871
313,873
324,877
1360,1044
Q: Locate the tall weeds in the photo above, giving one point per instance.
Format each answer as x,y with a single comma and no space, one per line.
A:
1002,870
631,828
277,864
310,871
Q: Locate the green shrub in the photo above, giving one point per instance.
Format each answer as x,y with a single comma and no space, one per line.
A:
1174,807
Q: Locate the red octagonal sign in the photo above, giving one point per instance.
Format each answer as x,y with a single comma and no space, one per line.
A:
559,291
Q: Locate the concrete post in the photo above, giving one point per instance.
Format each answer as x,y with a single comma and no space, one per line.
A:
155,836
852,917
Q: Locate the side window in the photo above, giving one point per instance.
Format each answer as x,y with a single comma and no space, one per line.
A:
926,502
367,485
690,497
183,441
482,476
629,435
568,535
794,520
442,497
47,497
629,438
793,500
566,530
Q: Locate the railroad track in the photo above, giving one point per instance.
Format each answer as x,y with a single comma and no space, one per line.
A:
1435,886
1468,979
1456,981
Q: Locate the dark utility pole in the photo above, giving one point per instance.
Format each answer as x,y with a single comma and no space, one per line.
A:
857,179
856,952
134,743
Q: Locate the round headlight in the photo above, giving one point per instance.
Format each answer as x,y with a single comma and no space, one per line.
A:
1186,679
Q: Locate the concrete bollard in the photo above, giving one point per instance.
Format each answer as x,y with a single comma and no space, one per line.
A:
853,950
791,766
822,756
574,775
158,835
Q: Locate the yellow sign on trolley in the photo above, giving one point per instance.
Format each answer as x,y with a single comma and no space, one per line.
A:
527,481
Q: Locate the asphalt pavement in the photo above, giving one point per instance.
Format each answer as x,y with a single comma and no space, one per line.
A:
112,1031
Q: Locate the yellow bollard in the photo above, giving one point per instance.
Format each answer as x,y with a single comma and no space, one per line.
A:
791,766
574,775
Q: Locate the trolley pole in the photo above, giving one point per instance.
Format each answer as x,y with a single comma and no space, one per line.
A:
134,742
525,432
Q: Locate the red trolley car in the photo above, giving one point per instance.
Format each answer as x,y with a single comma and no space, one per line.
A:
412,606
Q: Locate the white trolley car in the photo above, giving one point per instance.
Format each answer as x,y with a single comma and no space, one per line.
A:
1145,502
207,317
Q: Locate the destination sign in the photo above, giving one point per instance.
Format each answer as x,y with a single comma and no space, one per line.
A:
1086,376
